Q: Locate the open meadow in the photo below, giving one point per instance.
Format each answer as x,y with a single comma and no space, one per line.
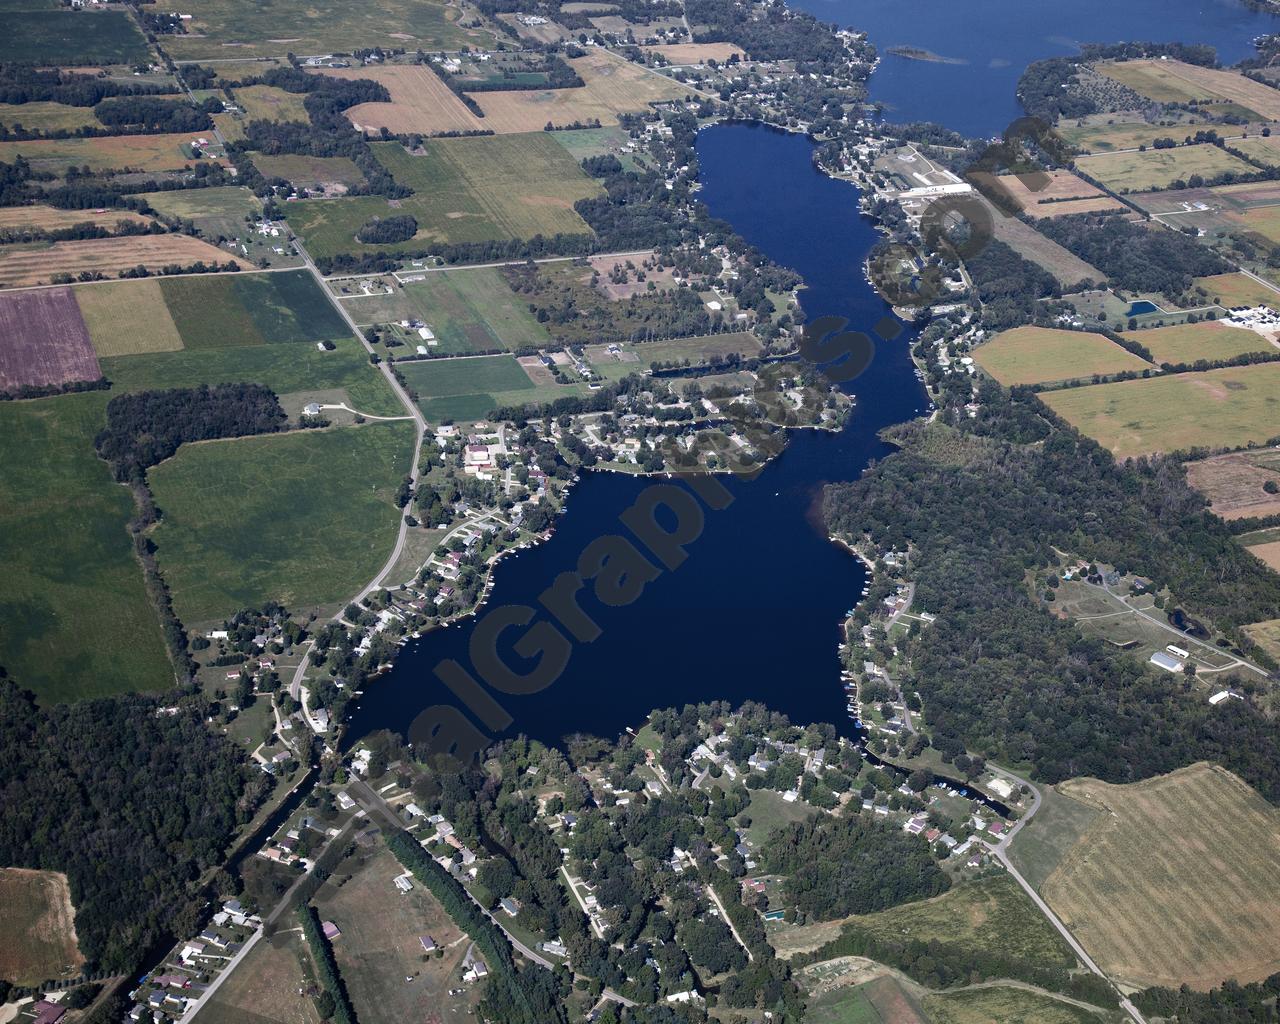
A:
106,153
271,986
1047,838
1159,168
23,266
267,103
1234,483
73,37
380,953
1268,551
1176,881
1226,408
227,28
613,86
128,317
309,171
40,930
77,621
1043,355
303,518
1062,263
1235,290
1172,81
1187,343
466,190
46,116
1005,1004
696,53
1106,137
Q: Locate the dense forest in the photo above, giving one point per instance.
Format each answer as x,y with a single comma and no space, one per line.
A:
1233,1003
854,865
1134,255
131,803
146,428
999,674
386,230
1009,285
149,114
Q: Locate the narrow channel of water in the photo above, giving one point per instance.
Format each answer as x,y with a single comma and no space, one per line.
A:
754,612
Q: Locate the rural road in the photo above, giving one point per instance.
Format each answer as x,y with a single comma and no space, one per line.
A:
482,266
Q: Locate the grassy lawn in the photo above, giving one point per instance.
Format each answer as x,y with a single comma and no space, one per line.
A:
1006,1005
75,621
266,986
1040,355
1226,408
303,518
283,368
73,37
480,189
769,812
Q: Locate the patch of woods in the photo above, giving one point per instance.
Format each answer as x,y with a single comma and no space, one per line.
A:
25,83
854,865
151,114
980,506
386,230
1009,286
1255,1003
146,428
132,802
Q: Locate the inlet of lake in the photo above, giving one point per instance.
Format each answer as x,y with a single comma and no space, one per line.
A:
754,612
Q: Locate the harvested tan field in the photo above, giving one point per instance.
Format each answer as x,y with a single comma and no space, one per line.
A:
420,102
1063,194
1269,553
22,266
1228,85
40,929
47,218
1233,483
105,153
1063,264
696,53
1177,882
125,318
613,86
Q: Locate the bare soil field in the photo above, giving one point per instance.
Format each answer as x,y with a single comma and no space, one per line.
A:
613,86
22,266
43,340
47,218
1063,194
696,53
1177,882
420,102
1269,553
1233,483
39,927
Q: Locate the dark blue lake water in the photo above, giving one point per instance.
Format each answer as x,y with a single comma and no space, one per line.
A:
754,611
997,39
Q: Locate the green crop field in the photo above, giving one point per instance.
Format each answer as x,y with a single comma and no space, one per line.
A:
1215,409
1040,355
315,26
75,620
251,309
1187,343
283,368
469,388
73,37
1158,168
44,116
480,189
304,518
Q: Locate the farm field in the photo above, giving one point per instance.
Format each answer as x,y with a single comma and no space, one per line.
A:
1233,482
40,930
1103,138
882,1000
73,37
1158,168
225,28
43,340
381,946
468,310
1041,844
46,116
999,1004
1176,880
1228,87
267,103
308,170
1061,195
1042,355
265,988
1066,266
251,309
420,101
1207,339
127,318
1265,220
47,218
302,518
469,388
1264,149
613,86
1268,552
696,53
112,152
1226,408
286,369
77,622
1235,290
467,190
1266,635
21,266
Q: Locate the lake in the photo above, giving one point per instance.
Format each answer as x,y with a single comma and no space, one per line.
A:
997,39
